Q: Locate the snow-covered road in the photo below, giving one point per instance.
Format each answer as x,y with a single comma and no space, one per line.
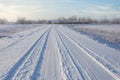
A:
58,53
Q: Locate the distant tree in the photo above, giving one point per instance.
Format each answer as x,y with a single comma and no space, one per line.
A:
115,20
3,21
61,19
83,19
72,19
21,20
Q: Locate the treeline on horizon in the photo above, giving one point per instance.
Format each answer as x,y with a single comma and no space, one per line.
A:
63,20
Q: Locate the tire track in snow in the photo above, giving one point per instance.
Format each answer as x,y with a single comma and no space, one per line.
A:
51,65
28,68
100,59
113,77
39,62
68,65
83,76
16,67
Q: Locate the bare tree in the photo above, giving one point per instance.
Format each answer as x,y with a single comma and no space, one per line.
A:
115,20
72,19
21,20
3,21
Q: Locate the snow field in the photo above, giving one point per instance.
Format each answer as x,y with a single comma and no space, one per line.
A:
55,52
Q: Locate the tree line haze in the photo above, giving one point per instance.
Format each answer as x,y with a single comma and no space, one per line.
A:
63,20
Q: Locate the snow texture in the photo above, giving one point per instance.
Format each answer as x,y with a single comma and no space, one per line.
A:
55,52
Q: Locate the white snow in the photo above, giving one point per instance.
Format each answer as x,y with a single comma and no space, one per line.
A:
110,33
55,52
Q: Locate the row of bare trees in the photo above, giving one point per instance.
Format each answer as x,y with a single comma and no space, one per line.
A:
75,19
25,21
63,20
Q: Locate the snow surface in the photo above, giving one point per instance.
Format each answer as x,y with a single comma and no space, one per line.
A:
110,33
55,52
104,33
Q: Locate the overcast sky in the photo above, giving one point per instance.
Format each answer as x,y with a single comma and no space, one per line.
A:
50,9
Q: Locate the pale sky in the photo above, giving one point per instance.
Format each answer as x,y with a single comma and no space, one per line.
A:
51,9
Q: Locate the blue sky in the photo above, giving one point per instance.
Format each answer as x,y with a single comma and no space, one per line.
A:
51,9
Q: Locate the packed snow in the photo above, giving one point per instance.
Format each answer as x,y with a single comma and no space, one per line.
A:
54,52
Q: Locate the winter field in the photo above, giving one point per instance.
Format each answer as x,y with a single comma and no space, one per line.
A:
59,52
105,34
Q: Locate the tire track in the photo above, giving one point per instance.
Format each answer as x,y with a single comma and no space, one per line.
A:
15,69
92,73
51,65
83,76
36,74
100,59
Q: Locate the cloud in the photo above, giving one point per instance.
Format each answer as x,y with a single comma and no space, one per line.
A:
103,7
101,11
11,12
50,9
